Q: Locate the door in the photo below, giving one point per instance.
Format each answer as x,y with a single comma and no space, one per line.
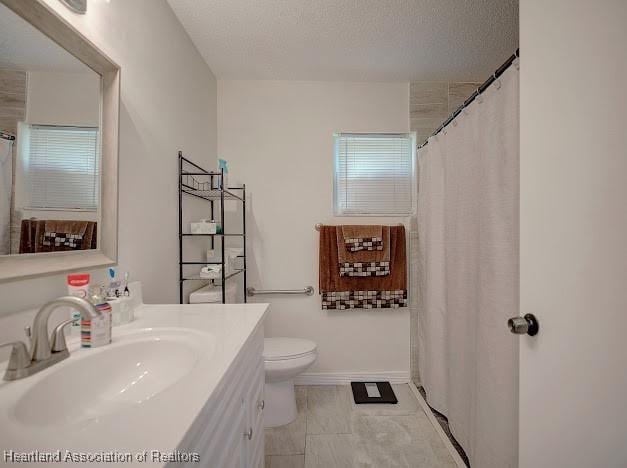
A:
573,245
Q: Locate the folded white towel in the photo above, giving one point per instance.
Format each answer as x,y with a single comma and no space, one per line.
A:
211,272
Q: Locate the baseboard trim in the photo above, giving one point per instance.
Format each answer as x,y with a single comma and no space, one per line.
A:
344,378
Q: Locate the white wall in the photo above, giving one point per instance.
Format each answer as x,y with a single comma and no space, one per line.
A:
57,98
168,102
278,138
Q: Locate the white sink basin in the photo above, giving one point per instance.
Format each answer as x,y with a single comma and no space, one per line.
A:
153,388
135,368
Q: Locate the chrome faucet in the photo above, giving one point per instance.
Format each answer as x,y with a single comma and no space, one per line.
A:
42,354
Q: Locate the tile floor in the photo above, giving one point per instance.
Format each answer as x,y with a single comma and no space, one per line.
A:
445,427
331,431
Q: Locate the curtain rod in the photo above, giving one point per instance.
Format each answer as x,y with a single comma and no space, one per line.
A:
485,85
7,136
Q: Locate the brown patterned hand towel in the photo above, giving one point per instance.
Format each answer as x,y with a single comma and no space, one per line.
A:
362,293
49,235
65,235
362,237
364,262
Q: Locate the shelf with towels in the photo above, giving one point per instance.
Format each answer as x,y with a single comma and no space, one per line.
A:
199,183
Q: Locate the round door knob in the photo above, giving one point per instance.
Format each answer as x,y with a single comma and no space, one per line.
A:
527,325
249,433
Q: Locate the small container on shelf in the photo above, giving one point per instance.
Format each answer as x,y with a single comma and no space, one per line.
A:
204,226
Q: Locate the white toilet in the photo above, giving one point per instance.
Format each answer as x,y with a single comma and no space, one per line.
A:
284,359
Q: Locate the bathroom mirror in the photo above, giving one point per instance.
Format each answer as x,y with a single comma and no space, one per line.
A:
59,106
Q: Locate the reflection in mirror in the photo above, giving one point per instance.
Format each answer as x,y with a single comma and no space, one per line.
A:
49,144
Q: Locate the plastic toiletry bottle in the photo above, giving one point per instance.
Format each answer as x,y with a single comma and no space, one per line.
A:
222,165
97,332
77,285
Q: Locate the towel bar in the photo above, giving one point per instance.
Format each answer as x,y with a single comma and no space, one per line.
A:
309,290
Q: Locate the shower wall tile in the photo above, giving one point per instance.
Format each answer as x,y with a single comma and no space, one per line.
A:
428,92
12,99
429,111
11,104
6,123
431,102
458,93
12,111
13,81
424,126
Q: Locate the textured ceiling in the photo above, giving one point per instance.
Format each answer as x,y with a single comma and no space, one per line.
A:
22,47
361,40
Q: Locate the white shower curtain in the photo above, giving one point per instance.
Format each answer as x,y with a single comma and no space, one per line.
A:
468,278
6,177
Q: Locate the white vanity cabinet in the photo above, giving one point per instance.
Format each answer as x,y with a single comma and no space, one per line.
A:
228,432
203,391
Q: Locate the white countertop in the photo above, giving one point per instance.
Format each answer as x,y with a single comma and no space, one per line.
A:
157,423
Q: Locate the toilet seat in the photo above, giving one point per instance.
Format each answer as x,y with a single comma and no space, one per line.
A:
282,349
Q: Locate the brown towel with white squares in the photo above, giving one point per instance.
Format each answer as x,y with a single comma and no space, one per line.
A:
362,237
365,262
370,292
50,235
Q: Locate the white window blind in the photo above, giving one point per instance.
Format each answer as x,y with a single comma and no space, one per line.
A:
63,167
373,174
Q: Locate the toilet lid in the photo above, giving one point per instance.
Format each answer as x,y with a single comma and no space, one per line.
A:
276,349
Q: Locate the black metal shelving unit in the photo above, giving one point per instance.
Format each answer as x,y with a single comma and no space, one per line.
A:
209,185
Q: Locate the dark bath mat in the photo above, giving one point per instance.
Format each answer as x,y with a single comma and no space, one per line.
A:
373,392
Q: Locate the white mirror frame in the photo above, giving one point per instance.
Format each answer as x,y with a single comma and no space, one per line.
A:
16,267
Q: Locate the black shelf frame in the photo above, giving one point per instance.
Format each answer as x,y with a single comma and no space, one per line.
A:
209,186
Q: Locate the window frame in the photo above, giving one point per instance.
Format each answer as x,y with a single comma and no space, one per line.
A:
339,212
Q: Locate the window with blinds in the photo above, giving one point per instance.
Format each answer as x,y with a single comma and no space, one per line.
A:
373,174
63,167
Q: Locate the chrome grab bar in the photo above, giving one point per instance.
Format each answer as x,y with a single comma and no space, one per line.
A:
308,291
